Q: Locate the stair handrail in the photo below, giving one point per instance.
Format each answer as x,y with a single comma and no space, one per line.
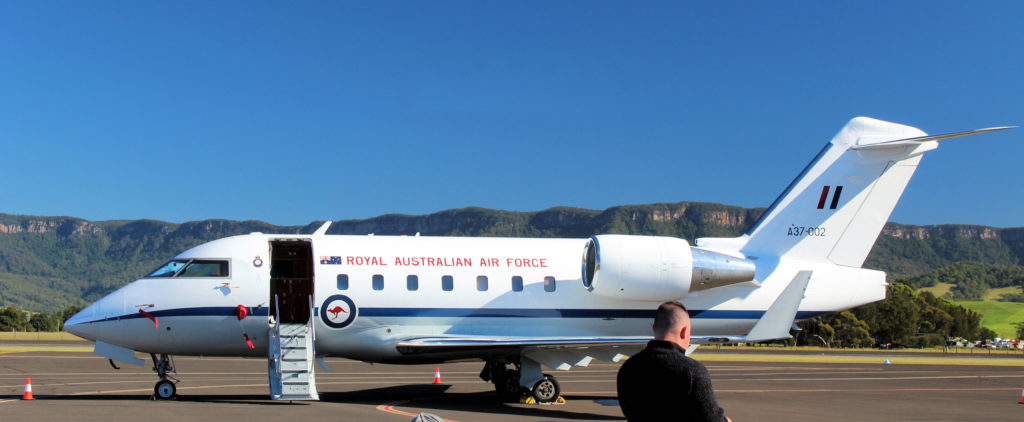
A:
312,335
277,331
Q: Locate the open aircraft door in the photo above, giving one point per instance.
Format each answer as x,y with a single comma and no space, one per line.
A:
291,351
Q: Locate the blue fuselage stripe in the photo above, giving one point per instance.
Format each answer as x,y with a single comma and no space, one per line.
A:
474,313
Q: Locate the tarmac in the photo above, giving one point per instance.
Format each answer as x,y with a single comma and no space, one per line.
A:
749,386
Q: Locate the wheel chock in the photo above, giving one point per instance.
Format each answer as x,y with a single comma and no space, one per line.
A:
531,400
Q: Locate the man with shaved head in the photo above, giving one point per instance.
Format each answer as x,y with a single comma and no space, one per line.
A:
661,383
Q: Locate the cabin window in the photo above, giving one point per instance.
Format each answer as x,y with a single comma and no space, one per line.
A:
412,282
481,283
447,283
549,284
342,281
191,268
378,282
517,284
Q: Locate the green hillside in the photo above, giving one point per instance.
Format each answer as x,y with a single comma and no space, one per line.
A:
998,316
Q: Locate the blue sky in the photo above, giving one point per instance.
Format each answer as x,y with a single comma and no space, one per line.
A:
289,113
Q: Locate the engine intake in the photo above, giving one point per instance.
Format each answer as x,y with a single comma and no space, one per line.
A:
656,268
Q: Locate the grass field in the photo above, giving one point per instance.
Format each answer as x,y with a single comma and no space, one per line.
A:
996,294
39,336
998,316
939,289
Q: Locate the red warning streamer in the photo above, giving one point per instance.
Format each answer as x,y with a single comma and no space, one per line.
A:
156,324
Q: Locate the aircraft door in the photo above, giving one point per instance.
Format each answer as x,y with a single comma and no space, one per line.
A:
291,280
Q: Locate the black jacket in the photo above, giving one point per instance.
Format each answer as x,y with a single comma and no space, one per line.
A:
661,384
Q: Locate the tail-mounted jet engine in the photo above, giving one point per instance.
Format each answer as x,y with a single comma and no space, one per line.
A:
654,268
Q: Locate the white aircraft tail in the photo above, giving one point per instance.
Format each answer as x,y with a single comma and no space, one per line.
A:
837,206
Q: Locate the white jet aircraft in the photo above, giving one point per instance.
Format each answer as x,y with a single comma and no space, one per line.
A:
516,304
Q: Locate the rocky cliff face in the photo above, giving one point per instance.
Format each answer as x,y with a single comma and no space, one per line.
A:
685,219
944,231
64,225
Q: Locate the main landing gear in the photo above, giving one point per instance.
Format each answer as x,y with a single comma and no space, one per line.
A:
165,389
507,375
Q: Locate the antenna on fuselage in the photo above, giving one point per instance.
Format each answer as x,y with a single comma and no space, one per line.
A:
322,230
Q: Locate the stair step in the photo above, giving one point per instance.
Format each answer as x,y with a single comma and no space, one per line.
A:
293,342
298,397
288,390
287,365
295,377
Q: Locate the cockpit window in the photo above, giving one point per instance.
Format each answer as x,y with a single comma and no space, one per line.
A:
169,269
191,268
199,268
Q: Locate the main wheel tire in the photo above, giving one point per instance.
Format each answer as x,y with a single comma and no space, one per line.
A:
546,390
165,390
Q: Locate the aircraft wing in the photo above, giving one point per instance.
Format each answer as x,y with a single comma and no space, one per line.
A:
464,343
435,344
561,353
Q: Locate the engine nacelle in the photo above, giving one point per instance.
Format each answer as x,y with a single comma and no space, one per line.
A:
655,268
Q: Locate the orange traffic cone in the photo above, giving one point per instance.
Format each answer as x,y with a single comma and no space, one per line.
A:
28,390
437,375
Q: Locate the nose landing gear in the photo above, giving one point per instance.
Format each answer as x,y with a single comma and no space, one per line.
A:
166,388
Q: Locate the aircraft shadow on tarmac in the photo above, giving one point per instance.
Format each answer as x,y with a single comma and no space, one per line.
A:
433,398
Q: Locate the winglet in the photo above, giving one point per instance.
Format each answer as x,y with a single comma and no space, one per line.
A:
322,230
778,319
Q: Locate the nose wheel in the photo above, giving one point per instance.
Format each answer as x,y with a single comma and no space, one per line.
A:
166,388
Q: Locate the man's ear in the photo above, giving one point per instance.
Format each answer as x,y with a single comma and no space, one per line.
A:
684,333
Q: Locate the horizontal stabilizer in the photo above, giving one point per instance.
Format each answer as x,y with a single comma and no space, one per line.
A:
869,143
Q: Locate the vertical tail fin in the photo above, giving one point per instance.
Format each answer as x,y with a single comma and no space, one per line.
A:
837,206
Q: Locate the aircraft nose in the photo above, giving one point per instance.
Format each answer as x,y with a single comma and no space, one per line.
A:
85,323
74,324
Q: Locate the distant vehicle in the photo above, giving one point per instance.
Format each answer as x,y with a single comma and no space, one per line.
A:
516,304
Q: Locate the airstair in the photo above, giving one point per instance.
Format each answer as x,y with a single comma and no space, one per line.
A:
291,357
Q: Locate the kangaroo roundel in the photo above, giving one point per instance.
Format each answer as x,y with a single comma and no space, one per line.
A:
338,311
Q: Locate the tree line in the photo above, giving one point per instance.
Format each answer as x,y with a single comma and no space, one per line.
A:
904,318
14,319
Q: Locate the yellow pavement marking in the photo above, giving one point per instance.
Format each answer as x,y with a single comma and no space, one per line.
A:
907,360
23,349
